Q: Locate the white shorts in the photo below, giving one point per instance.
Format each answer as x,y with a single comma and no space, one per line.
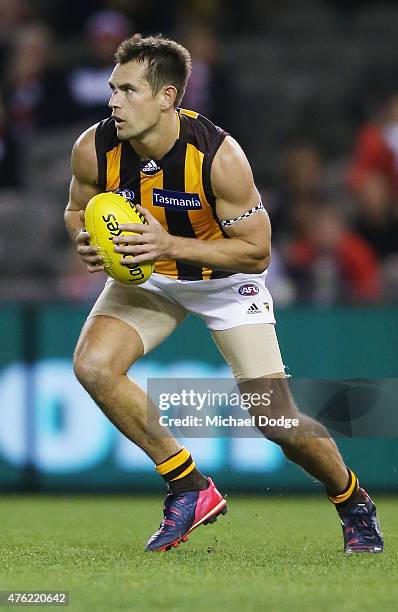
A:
240,299
240,303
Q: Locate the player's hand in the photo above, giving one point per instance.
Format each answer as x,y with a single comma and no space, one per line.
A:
152,242
88,253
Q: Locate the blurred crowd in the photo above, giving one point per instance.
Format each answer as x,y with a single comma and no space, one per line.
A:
334,209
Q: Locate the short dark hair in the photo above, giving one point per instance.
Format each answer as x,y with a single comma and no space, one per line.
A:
168,62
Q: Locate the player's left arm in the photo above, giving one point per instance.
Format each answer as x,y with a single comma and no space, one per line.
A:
248,246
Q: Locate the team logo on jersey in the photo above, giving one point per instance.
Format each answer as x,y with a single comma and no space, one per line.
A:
127,194
176,200
150,167
248,289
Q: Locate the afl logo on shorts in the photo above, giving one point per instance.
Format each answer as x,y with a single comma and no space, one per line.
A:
248,289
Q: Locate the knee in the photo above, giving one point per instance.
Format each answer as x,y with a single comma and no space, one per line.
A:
277,435
279,428
278,423
92,372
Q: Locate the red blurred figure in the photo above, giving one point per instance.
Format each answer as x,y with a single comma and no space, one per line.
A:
330,263
376,148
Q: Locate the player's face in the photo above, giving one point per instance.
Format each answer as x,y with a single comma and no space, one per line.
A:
135,108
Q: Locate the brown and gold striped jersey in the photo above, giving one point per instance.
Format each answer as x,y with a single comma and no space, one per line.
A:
175,189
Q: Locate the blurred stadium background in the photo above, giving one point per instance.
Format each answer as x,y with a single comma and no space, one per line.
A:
311,93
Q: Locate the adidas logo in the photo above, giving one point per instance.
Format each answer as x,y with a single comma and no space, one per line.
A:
253,309
150,167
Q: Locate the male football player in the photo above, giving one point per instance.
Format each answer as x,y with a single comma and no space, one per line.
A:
208,234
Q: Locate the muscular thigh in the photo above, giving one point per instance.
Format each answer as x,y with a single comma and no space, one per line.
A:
124,324
107,344
148,312
252,351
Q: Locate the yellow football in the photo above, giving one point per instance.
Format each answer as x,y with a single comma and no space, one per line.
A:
103,215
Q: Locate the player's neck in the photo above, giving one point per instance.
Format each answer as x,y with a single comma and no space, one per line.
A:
159,140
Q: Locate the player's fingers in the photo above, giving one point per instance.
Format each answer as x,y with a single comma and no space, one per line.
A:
140,249
130,241
81,216
138,259
124,249
82,237
145,213
139,228
95,268
86,249
129,249
137,250
93,259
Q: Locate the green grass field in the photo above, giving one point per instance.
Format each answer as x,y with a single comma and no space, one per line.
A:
271,553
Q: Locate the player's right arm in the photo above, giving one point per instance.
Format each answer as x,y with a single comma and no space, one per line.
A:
83,186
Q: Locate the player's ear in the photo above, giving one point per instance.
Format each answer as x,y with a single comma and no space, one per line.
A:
168,96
